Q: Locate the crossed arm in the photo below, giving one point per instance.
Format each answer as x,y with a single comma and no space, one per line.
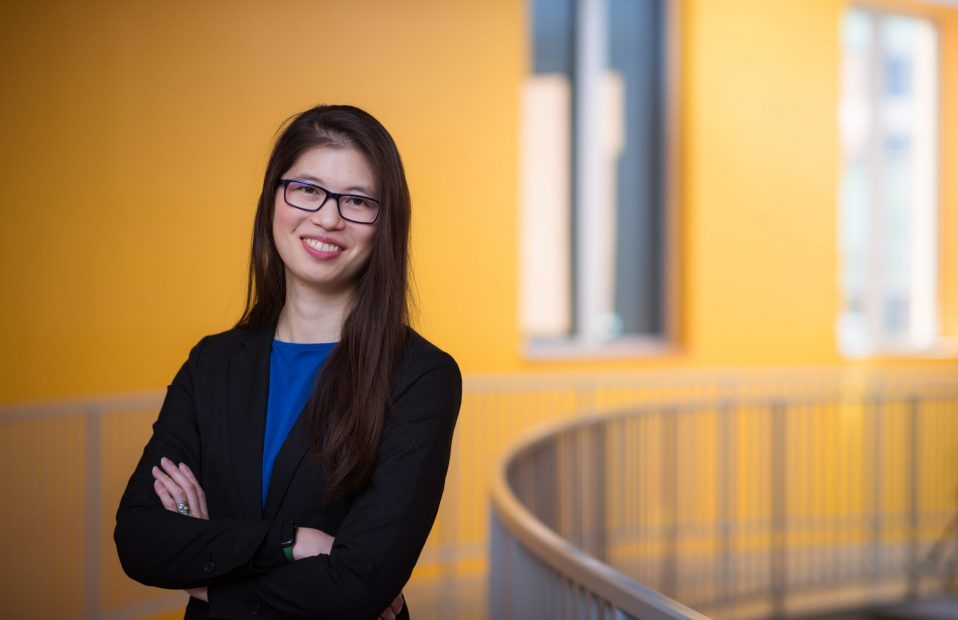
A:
175,485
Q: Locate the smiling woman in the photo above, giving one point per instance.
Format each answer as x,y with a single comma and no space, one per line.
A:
322,250
298,460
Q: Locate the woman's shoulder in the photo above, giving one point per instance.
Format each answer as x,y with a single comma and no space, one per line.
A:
428,385
422,357
423,354
215,348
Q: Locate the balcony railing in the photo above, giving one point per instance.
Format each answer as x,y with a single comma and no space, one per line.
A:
65,464
772,498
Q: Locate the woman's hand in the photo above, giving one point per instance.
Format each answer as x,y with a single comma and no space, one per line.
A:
177,487
393,610
310,542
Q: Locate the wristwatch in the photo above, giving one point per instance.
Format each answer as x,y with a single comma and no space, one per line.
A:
287,536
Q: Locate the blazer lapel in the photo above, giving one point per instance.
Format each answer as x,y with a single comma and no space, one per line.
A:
288,460
249,388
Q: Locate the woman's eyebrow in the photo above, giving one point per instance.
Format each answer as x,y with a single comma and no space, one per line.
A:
362,189
307,177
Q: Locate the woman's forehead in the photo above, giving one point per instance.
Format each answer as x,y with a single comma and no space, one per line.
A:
341,169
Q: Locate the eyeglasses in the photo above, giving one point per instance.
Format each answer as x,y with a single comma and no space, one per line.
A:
310,197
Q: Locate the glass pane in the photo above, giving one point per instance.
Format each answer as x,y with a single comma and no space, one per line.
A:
546,247
637,56
593,174
888,217
552,36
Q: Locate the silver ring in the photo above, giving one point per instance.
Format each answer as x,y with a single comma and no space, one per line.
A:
183,508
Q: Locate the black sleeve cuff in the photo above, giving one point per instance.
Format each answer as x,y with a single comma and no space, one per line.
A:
270,554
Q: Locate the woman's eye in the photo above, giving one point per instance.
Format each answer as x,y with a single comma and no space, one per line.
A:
358,202
306,189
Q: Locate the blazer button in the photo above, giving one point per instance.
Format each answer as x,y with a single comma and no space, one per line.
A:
209,566
258,610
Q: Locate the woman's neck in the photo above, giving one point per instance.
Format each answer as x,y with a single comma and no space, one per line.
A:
309,316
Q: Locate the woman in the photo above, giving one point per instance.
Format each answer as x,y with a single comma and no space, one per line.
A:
258,509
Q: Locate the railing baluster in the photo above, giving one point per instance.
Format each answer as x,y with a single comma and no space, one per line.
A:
914,482
723,493
876,469
778,495
93,496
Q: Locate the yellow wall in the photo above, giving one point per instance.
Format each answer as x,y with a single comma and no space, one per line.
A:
135,134
760,180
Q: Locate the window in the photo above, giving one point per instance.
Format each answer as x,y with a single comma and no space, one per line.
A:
597,147
888,225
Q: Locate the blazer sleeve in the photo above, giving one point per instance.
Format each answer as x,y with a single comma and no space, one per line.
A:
380,539
161,548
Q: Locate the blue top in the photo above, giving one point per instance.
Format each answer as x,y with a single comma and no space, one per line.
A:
293,368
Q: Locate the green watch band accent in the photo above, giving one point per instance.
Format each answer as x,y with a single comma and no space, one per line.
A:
287,534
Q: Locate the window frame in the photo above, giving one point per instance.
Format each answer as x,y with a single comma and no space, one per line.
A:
578,344
944,18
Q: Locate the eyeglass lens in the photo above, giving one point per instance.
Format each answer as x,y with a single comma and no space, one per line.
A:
310,197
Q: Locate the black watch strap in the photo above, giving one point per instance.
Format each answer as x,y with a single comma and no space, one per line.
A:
287,535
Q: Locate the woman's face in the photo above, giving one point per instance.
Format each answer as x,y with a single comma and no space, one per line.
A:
320,249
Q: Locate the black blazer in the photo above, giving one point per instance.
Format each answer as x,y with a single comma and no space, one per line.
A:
213,419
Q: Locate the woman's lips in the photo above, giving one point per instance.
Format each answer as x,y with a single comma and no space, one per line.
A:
321,249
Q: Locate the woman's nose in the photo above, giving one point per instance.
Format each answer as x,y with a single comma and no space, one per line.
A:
328,215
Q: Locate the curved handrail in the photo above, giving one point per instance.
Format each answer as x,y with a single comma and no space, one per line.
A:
532,513
563,557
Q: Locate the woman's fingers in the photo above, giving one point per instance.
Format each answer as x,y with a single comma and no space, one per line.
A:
172,489
200,593
184,483
170,484
176,491
397,603
200,510
393,610
180,486
165,498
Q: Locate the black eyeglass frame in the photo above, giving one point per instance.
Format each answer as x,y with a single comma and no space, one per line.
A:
329,194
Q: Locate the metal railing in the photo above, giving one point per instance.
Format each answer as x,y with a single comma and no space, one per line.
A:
774,498
64,465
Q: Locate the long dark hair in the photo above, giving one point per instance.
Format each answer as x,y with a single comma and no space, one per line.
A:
347,409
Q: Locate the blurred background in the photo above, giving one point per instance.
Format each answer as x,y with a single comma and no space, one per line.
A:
712,243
